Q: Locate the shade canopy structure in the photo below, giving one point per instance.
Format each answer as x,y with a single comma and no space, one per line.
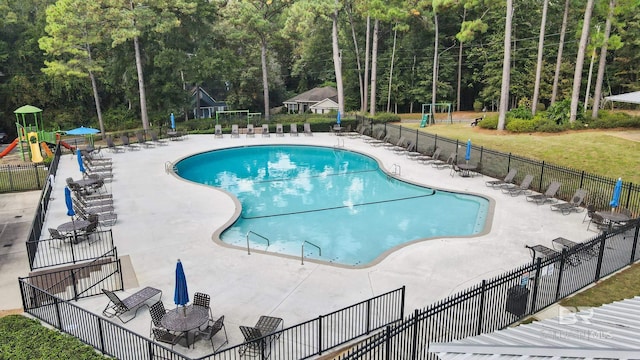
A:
631,98
181,293
82,131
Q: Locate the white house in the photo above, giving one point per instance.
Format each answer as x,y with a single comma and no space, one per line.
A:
319,100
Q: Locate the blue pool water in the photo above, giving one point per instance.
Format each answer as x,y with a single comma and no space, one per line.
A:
338,200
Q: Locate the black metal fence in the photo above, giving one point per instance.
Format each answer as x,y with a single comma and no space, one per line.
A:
53,252
497,164
503,300
41,210
22,177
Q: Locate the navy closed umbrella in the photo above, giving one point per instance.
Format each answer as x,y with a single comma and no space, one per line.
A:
467,154
80,164
181,293
617,190
70,211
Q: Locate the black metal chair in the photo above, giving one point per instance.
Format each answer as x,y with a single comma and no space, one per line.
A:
203,300
56,235
157,311
165,336
213,327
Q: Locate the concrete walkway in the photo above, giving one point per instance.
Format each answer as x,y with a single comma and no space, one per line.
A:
163,218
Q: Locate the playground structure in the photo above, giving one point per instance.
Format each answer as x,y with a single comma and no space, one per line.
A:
429,111
30,136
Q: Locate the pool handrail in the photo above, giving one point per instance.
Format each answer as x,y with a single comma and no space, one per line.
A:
255,233
302,250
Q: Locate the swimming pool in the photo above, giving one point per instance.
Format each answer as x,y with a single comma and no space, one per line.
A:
338,203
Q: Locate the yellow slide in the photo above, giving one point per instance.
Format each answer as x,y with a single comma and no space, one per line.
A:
34,145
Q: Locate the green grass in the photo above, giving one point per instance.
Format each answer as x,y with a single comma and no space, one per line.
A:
623,285
25,339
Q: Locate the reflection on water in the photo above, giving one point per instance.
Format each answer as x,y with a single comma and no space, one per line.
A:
336,199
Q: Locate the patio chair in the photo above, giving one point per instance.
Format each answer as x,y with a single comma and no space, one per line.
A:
128,145
165,336
265,130
203,300
600,223
156,140
440,164
548,196
573,205
56,235
258,338
307,129
381,142
235,132
398,145
112,146
293,129
250,130
157,311
279,130
523,188
218,131
143,141
214,327
496,184
590,210
117,307
427,159
412,151
95,166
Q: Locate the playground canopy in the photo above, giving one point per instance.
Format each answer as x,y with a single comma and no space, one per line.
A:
631,98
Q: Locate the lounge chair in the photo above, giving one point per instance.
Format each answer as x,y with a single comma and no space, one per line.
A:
523,188
412,151
548,196
265,130
143,141
496,184
156,140
127,144
279,130
235,132
117,307
400,146
573,205
107,219
250,130
214,327
381,142
293,129
258,338
307,129
440,164
426,159
111,146
218,131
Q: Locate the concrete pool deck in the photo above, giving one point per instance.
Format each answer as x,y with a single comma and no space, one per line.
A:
162,218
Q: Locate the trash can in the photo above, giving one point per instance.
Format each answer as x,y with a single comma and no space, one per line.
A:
517,297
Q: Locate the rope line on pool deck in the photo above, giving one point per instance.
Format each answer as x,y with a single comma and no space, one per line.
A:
314,176
340,207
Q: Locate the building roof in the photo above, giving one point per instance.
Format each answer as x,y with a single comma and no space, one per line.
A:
325,104
607,332
314,95
632,97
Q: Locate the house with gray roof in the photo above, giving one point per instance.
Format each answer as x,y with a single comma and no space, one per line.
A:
320,100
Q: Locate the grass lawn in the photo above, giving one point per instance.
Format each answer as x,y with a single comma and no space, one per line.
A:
624,285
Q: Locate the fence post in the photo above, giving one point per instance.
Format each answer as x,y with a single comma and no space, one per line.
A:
481,312
541,176
402,303
56,301
562,261
368,311
387,341
75,285
536,283
101,334
35,167
319,334
600,256
414,345
10,168
581,179
635,244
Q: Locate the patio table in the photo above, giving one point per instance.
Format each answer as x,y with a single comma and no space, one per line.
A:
185,319
467,169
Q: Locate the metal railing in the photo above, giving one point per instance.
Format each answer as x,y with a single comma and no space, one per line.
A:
53,252
504,300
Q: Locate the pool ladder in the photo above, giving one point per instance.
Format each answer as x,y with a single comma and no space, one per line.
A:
396,169
338,144
302,251
169,166
258,235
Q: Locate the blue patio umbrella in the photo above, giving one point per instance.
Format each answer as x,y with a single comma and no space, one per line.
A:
173,121
181,294
67,200
467,154
82,131
80,164
338,118
617,190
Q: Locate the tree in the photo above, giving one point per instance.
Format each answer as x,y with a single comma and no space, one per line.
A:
536,88
577,76
506,68
563,31
74,28
608,42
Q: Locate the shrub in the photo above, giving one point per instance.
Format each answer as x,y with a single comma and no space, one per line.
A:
385,117
521,112
490,122
521,125
543,124
560,112
477,106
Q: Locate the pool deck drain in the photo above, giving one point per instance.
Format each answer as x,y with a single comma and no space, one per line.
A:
162,218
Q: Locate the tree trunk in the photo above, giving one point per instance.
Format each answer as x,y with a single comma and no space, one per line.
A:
434,81
577,75
143,95
459,86
265,77
337,61
364,106
363,93
536,87
393,55
597,94
506,68
586,93
374,67
563,31
96,97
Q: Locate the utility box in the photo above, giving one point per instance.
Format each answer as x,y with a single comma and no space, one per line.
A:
517,298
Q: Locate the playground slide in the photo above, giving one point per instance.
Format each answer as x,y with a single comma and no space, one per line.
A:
45,148
9,148
34,146
72,148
